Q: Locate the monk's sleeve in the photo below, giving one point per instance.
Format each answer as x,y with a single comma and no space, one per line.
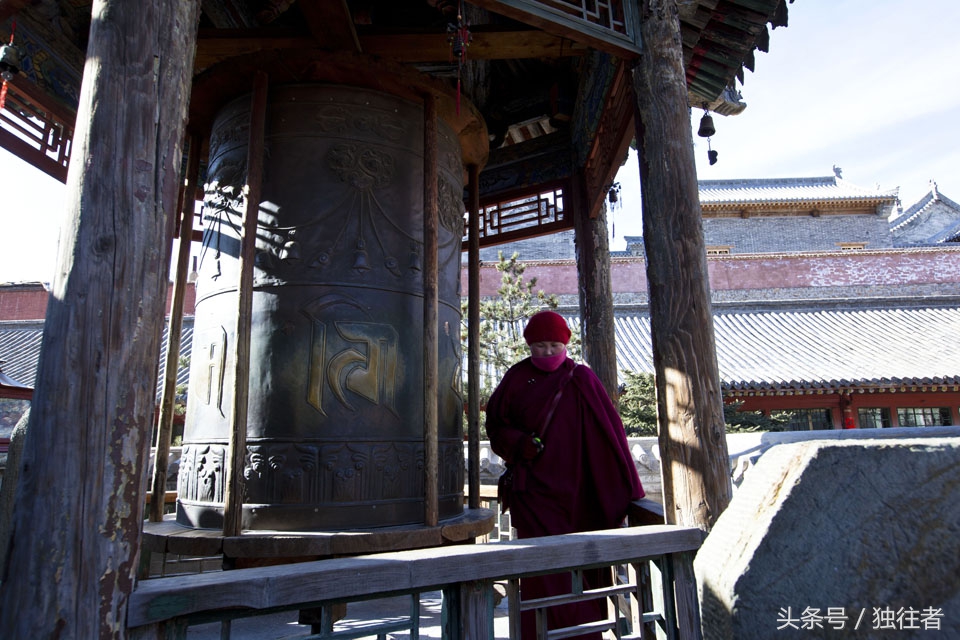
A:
505,437
610,450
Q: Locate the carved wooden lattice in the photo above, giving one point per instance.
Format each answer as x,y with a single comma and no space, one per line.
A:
35,134
526,217
608,25
608,15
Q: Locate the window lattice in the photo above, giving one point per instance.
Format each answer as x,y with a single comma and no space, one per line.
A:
35,135
924,416
541,210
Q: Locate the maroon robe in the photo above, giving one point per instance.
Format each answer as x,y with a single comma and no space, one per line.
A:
583,480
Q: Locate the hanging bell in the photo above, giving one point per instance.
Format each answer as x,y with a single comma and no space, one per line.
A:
9,61
706,126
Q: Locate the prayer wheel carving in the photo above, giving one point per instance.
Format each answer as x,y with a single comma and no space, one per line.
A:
335,414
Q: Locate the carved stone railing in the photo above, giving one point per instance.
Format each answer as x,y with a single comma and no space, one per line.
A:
653,592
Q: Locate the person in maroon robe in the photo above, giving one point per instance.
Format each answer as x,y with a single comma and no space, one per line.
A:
569,468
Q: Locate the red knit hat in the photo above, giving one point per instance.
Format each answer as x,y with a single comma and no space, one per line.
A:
547,326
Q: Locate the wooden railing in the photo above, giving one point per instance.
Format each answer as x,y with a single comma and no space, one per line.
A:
654,592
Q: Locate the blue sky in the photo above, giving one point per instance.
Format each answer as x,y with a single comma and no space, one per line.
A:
871,86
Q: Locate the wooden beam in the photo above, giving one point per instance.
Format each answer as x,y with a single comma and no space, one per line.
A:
485,44
80,499
611,141
215,46
331,24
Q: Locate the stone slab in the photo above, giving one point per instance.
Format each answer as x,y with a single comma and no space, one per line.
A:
865,532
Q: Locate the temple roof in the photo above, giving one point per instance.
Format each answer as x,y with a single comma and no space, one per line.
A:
828,350
763,191
934,219
795,351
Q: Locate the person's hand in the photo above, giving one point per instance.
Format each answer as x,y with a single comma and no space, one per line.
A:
530,447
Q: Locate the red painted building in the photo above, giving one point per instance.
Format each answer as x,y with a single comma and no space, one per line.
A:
829,300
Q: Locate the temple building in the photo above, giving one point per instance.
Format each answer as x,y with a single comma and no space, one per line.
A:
830,300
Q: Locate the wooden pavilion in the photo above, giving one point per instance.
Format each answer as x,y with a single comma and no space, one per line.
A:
117,99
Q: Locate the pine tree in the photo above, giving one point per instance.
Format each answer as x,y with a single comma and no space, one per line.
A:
502,319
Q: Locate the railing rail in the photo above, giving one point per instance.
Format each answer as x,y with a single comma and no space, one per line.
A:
654,563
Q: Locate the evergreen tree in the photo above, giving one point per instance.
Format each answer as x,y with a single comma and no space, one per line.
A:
638,404
502,319
638,410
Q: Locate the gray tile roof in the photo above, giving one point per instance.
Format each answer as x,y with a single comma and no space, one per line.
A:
20,351
757,351
784,190
819,349
946,228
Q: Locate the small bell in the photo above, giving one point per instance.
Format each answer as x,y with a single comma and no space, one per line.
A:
290,251
706,126
9,61
360,261
415,264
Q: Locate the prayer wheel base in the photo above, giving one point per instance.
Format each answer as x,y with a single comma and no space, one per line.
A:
170,537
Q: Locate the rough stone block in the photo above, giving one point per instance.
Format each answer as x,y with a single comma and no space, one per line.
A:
838,540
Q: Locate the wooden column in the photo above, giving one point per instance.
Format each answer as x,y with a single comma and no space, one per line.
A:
233,494
431,223
596,293
80,502
174,330
693,447
473,339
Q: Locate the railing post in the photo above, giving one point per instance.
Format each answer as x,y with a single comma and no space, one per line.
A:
685,588
477,603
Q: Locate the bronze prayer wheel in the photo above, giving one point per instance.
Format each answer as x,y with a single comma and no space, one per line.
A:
335,412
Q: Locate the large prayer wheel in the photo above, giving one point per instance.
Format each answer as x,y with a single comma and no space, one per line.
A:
335,433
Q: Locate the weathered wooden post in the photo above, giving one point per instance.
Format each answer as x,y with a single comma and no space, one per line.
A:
473,338
175,326
80,502
596,295
693,446
431,265
237,449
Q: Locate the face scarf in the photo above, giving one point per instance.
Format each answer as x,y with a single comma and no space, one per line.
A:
549,363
